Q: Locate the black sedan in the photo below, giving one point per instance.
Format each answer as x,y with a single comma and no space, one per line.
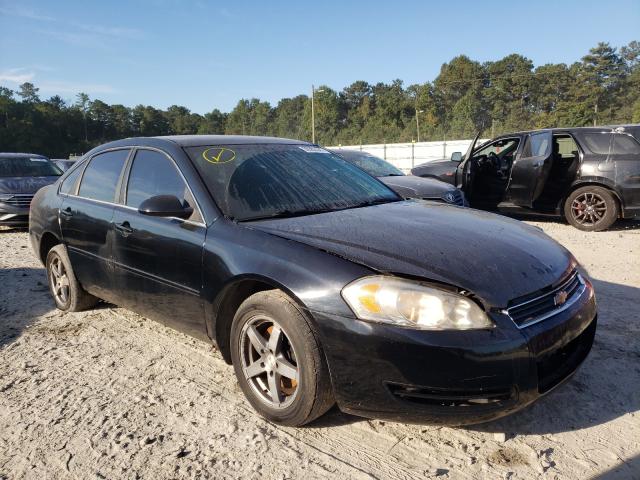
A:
21,176
588,175
407,186
315,280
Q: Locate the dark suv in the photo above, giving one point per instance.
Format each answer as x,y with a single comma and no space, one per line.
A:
316,281
589,175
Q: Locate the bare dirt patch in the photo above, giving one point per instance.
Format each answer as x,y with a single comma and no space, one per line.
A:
109,394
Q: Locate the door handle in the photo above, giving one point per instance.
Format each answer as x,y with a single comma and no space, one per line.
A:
124,229
66,212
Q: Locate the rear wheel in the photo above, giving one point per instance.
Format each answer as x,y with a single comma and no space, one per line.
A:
63,285
278,360
591,209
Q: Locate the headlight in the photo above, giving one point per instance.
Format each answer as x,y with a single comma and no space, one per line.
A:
412,304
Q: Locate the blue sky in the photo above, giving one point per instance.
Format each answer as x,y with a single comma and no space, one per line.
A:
208,54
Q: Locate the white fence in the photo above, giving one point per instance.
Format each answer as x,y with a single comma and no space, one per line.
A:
405,156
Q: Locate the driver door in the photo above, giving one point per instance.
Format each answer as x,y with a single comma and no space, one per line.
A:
530,171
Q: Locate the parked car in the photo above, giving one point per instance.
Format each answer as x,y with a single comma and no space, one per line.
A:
407,186
315,280
21,175
589,176
63,163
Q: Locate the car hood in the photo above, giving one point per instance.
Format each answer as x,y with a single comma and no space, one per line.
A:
496,258
442,162
410,186
24,184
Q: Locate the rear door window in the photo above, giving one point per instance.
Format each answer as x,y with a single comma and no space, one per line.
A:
598,142
100,179
153,173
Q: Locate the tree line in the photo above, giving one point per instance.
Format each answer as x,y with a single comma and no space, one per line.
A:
467,96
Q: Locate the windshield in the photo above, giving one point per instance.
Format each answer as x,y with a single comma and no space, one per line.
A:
372,165
28,167
250,182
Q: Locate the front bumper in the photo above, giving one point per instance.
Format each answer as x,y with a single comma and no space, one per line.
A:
10,215
456,378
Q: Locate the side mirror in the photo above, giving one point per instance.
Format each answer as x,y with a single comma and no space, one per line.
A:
456,157
164,206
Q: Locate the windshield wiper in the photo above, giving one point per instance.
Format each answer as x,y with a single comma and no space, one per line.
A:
377,201
286,214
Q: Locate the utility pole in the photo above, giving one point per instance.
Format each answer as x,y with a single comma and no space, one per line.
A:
313,112
418,123
595,117
313,116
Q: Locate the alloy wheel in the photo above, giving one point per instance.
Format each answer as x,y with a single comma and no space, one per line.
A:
59,280
588,209
269,362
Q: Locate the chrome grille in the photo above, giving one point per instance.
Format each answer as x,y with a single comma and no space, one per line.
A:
549,302
20,200
454,197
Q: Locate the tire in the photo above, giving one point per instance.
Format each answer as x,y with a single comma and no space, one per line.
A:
591,209
67,292
263,364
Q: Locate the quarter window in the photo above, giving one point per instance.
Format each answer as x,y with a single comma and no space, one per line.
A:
68,186
625,145
152,173
100,178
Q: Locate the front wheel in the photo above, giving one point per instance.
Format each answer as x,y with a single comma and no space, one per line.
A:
278,360
591,209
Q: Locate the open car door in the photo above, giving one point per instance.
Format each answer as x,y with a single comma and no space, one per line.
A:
463,172
530,171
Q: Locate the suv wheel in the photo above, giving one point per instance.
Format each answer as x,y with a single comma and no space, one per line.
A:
65,289
278,360
591,209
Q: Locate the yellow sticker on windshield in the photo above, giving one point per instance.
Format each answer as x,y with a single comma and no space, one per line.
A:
218,155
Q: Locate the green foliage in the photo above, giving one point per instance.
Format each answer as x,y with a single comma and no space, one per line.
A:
467,96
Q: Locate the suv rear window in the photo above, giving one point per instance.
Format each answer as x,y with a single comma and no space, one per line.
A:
625,145
100,178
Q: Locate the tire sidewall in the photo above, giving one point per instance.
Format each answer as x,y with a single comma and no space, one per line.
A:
292,323
610,216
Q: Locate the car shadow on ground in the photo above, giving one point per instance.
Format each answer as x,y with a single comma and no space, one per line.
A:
6,229
628,469
25,298
604,388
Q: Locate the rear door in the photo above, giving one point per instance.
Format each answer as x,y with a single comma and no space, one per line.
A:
625,155
158,260
85,220
530,170
462,172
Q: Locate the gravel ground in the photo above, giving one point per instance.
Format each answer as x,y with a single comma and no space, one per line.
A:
109,394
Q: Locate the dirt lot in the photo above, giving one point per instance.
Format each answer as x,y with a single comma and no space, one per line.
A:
109,394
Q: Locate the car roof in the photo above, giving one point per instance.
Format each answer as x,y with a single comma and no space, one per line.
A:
199,140
20,155
598,128
195,141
